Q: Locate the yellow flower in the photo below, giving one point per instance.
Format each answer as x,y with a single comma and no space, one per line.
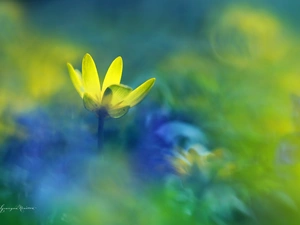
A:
199,158
196,156
112,99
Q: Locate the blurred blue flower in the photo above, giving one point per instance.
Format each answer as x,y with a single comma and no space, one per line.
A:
47,160
163,131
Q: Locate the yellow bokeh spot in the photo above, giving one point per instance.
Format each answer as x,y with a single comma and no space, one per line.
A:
32,66
245,36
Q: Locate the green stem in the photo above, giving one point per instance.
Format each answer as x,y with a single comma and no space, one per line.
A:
100,132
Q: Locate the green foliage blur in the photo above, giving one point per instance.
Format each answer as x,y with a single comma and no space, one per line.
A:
227,70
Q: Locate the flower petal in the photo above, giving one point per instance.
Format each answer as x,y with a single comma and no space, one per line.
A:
76,79
118,112
139,93
90,77
119,93
107,97
90,103
113,74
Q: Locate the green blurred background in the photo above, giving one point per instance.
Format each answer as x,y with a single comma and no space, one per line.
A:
216,141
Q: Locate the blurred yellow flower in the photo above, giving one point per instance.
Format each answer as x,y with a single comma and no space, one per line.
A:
112,99
199,158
